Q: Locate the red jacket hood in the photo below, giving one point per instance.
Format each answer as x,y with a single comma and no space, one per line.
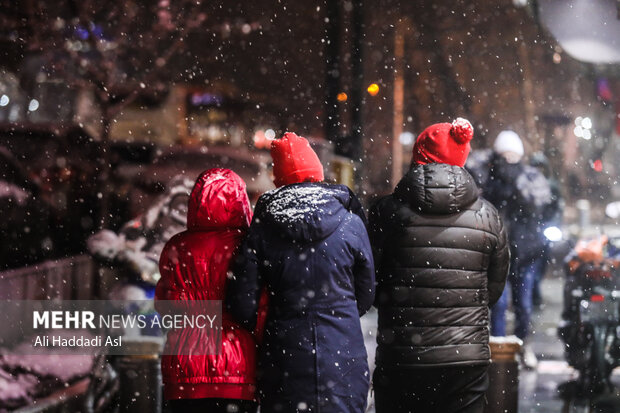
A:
218,200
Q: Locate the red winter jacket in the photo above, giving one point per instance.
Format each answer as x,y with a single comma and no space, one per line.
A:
194,266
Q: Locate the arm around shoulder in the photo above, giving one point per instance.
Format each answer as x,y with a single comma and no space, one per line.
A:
364,272
244,284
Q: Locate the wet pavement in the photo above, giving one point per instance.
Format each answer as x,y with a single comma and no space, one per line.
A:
537,389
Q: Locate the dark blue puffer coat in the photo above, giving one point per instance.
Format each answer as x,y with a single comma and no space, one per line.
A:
309,248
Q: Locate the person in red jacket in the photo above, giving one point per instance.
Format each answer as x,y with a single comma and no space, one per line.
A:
194,266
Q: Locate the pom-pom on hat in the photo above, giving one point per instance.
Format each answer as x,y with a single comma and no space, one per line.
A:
444,143
294,161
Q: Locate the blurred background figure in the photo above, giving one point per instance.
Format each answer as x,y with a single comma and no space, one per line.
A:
25,234
550,224
140,241
521,194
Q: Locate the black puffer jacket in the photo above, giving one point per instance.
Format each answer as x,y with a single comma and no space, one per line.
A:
442,258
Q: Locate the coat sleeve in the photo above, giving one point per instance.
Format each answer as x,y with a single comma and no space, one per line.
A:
498,266
355,206
168,287
363,272
243,291
376,233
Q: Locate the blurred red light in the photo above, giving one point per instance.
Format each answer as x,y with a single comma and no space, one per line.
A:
598,165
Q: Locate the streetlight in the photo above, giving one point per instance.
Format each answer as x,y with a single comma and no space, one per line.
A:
583,127
373,89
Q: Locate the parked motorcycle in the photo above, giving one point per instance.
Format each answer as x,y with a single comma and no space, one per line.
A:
590,327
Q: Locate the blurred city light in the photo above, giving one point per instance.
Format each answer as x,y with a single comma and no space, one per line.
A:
373,89
33,105
342,97
406,138
587,30
263,138
612,210
586,134
583,126
578,131
598,165
553,234
4,100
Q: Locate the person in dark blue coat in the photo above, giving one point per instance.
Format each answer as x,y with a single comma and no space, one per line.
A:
309,248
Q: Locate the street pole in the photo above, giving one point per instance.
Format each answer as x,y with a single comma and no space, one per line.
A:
399,97
332,81
527,91
357,89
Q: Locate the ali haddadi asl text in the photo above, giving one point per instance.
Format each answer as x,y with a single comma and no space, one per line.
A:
77,341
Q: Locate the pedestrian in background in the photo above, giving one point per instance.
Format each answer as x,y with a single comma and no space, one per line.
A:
442,258
194,265
521,194
551,217
309,248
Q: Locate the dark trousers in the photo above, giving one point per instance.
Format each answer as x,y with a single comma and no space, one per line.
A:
431,390
538,276
519,289
211,406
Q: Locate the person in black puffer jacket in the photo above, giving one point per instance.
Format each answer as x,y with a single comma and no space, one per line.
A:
442,258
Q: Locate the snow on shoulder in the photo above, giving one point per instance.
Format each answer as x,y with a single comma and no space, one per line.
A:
294,203
305,211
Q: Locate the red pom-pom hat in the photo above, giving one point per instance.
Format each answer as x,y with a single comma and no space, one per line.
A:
444,143
294,161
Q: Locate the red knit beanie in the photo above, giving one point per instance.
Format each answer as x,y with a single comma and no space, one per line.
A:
294,161
444,143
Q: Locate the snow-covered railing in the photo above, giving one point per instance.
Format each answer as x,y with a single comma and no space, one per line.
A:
71,278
